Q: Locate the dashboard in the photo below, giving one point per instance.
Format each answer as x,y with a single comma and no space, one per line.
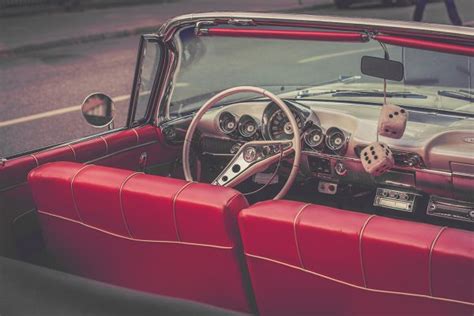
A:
434,158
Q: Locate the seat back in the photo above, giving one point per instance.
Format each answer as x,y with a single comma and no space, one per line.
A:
149,233
306,259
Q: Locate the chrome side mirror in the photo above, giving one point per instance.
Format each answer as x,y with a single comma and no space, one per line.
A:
98,110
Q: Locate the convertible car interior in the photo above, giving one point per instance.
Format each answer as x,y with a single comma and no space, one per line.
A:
334,178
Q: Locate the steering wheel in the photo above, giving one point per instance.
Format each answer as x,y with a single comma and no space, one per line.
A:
253,156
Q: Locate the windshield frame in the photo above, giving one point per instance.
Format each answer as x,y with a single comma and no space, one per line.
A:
429,32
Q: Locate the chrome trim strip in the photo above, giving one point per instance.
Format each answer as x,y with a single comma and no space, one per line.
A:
430,281
360,248
178,237
121,201
90,161
122,151
172,242
72,191
357,286
314,21
295,222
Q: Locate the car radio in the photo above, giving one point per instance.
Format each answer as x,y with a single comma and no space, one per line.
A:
395,199
451,209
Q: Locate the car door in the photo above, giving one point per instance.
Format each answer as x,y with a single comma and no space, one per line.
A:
136,146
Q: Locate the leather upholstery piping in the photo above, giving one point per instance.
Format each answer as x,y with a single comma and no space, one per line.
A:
136,134
73,151
357,286
121,201
430,275
295,223
360,249
36,160
173,242
72,191
106,144
178,237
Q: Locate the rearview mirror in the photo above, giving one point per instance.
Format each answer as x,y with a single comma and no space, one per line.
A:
381,68
98,110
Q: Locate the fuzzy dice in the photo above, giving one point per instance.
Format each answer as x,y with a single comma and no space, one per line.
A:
377,158
392,121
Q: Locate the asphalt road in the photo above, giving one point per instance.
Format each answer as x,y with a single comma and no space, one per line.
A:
44,81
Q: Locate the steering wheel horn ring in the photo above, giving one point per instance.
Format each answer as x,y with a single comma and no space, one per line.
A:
253,156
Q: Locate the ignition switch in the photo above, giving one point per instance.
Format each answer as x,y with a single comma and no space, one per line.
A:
340,169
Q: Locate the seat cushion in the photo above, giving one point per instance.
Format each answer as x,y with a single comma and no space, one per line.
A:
310,259
150,233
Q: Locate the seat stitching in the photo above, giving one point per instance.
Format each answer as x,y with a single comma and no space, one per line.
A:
360,249
72,191
430,275
178,237
106,145
358,286
73,152
173,242
295,222
121,201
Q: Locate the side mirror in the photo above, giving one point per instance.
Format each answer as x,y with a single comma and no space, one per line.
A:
98,110
382,68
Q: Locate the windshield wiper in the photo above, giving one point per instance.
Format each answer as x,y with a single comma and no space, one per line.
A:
460,94
377,94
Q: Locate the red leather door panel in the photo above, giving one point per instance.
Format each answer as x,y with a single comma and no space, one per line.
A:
121,149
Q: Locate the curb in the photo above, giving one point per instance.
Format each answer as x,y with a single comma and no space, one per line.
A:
77,40
9,52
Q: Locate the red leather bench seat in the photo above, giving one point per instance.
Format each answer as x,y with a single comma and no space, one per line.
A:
307,259
144,232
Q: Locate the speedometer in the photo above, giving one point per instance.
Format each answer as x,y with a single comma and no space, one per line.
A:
279,127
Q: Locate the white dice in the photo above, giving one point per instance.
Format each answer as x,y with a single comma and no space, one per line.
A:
377,158
392,121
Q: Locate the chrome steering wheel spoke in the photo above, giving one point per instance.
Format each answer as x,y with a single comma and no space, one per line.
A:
252,157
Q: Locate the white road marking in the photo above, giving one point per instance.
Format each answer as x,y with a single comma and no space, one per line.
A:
68,109
53,113
327,56
181,84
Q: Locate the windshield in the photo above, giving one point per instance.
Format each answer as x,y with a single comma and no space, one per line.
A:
307,69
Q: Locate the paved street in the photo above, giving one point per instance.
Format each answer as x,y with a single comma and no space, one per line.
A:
42,82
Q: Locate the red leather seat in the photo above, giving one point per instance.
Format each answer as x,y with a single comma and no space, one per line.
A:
307,259
149,233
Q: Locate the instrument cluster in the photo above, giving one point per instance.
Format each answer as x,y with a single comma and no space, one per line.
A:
275,125
244,127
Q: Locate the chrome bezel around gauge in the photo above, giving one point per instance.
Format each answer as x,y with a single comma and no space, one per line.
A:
332,142
223,119
245,119
309,137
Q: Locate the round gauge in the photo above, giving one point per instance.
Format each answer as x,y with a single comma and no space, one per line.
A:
335,139
279,127
314,137
227,122
247,126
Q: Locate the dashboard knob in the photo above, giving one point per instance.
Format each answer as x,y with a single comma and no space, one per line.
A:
250,154
340,169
